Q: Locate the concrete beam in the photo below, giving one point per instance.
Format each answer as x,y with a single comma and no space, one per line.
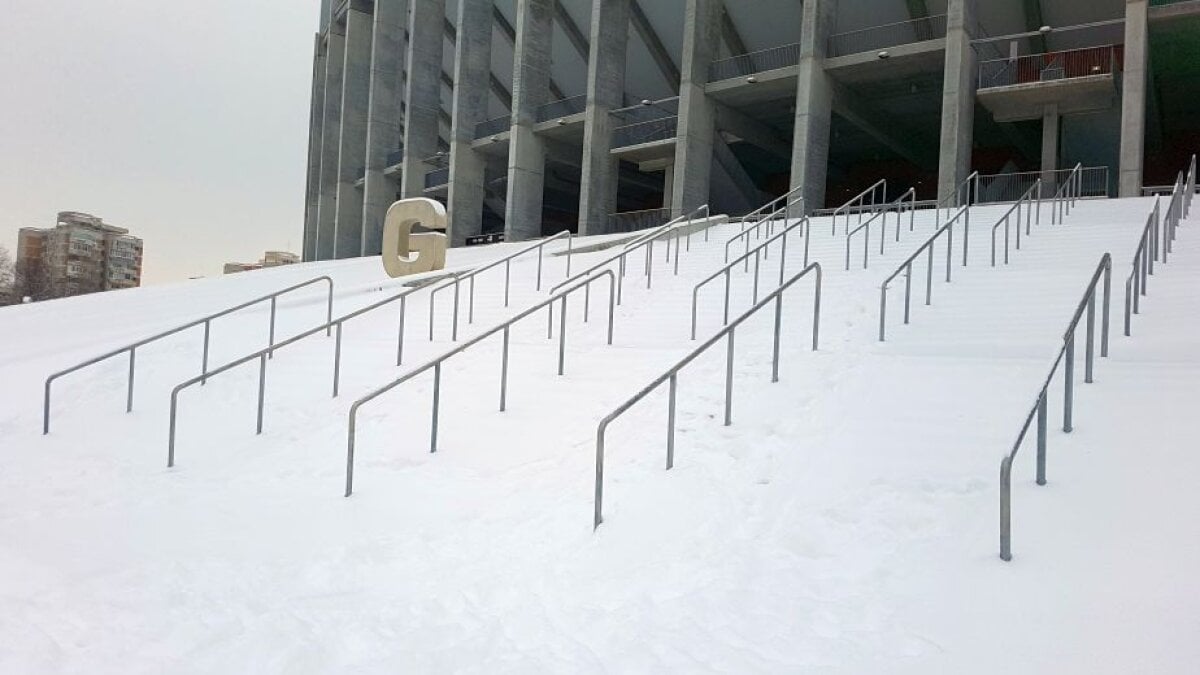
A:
658,51
731,36
697,115
383,127
750,130
575,36
527,151
423,95
814,103
472,68
609,35
903,142
958,98
1133,98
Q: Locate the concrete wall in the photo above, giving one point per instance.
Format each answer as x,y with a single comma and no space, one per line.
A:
608,38
383,126
352,144
527,151
472,67
697,117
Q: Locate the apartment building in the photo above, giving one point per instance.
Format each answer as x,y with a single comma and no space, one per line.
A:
528,117
269,259
80,254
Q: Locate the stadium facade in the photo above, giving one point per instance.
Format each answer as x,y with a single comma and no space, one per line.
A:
528,117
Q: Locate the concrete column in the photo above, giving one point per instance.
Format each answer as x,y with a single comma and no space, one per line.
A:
313,181
383,127
352,152
608,35
668,185
814,103
526,151
958,98
697,117
423,93
472,71
1050,134
331,126
1133,98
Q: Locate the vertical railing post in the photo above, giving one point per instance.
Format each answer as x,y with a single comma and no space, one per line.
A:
262,389
1006,508
1089,346
454,320
504,372
508,276
729,382
1068,380
437,394
671,421
1041,439
471,299
400,331
778,327
129,392
1104,318
271,335
907,290
562,335
204,358
337,360
882,311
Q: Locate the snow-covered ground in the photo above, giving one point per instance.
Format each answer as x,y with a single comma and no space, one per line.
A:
846,522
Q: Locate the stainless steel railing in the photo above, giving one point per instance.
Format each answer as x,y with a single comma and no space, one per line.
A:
906,267
911,196
671,375
1031,197
1052,66
887,35
1066,195
205,321
758,252
572,105
496,125
968,187
1066,358
469,277
1156,241
754,62
436,364
757,220
864,202
646,242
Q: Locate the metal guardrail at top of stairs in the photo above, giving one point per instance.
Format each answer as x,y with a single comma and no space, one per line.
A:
436,364
1155,243
456,281
671,376
951,202
1066,358
758,252
911,196
1032,196
906,267
859,204
646,241
207,323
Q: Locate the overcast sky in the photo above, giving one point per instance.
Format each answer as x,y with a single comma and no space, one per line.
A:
186,122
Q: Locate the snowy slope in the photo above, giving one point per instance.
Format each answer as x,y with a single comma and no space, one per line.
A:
846,522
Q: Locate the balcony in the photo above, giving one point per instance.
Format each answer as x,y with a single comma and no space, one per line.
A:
492,127
439,173
876,38
648,123
562,108
745,65
1077,80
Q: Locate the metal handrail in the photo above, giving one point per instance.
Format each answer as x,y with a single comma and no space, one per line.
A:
672,373
768,220
758,252
644,241
206,321
911,195
862,204
436,363
922,29
457,280
1066,195
1156,239
1066,356
906,267
953,198
1027,200
759,61
1144,256
1048,66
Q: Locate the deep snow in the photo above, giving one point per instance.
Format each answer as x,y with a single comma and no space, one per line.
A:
846,522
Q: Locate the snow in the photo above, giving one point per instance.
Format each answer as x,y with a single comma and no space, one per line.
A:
846,522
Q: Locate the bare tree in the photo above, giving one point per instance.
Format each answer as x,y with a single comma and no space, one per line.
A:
32,280
8,293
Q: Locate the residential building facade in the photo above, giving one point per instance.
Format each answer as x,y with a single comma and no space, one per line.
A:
81,254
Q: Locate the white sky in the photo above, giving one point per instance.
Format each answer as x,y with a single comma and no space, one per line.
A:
186,122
